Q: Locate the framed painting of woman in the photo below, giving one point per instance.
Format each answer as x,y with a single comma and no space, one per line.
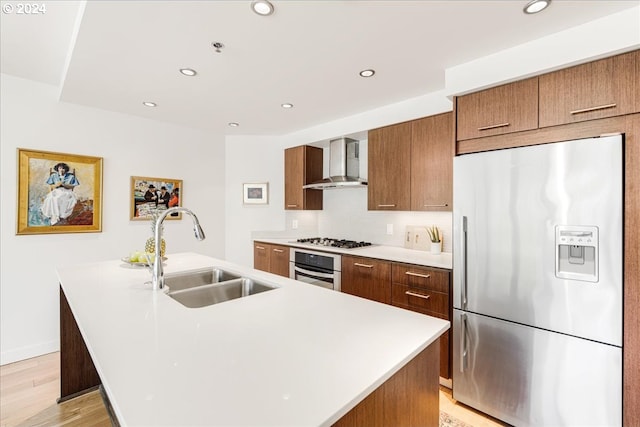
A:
58,193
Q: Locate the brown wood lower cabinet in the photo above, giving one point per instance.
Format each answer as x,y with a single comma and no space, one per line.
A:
421,289
367,278
271,258
428,291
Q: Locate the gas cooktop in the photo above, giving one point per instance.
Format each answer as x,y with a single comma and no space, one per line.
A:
336,243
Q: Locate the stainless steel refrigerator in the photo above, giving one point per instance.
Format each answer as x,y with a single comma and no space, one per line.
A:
538,283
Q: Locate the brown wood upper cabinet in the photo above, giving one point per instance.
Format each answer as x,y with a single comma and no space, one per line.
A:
604,88
503,109
389,170
302,165
271,258
432,163
411,165
366,278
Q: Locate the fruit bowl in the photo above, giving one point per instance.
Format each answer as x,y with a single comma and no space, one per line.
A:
138,263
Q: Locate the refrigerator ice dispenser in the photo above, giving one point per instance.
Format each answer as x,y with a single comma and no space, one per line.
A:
577,252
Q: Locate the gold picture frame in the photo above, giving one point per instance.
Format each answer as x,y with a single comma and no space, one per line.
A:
58,193
143,202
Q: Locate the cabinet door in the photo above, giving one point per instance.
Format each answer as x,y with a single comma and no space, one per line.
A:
279,260
503,109
428,291
432,163
367,278
389,168
302,165
261,254
604,88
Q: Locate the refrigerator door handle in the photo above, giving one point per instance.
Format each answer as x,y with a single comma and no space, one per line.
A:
463,262
463,341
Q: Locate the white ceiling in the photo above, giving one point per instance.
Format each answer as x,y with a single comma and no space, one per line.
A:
309,53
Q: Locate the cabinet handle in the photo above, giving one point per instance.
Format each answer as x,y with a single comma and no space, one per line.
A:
260,247
278,250
599,107
444,205
357,264
292,206
387,206
426,276
413,294
501,125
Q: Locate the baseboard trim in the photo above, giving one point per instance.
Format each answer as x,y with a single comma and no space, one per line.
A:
28,352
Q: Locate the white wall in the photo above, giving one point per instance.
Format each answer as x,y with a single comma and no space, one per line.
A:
603,37
345,214
252,159
33,118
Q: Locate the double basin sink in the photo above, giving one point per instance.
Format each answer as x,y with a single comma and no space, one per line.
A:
208,286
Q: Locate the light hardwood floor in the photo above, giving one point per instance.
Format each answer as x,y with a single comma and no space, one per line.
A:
29,389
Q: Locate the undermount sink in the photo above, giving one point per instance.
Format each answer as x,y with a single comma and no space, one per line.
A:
195,278
201,288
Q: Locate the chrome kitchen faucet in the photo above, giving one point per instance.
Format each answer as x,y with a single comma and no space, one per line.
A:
157,278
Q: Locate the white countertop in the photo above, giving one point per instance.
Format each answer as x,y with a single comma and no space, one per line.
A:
297,355
389,253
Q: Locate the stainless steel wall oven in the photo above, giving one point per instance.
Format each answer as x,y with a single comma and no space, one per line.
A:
316,268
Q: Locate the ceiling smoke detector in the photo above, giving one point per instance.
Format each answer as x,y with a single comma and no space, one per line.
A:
535,6
262,7
217,46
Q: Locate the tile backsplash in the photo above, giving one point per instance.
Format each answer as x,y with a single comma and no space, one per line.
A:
345,216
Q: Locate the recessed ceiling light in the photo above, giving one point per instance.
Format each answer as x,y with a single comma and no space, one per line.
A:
234,124
367,73
149,104
188,72
535,6
287,105
262,7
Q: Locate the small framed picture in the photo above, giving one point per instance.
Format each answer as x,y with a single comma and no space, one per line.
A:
150,195
255,194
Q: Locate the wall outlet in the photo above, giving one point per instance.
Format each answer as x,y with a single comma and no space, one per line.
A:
294,224
390,229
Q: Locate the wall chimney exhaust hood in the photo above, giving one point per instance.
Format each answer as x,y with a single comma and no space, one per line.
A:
344,166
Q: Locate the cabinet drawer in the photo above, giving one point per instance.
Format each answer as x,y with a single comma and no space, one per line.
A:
604,88
420,300
421,277
503,109
366,278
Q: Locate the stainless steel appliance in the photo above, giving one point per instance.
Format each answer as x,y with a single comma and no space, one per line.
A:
334,243
344,166
316,268
538,283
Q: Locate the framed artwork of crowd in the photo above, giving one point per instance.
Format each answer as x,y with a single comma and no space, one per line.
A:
150,194
58,193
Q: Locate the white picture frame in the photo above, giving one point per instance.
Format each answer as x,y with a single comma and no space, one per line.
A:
255,193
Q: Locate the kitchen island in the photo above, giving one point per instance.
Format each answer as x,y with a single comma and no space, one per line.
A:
295,355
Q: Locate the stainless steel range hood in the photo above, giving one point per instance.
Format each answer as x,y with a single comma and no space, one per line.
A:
344,166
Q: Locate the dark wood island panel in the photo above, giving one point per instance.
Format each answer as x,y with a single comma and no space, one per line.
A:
78,374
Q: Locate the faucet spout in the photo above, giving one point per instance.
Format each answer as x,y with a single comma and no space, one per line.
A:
157,279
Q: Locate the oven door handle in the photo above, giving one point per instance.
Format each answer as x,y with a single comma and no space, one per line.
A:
313,273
